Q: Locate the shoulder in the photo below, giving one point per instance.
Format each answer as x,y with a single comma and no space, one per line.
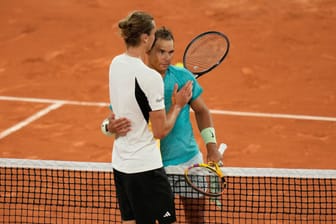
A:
180,70
152,74
149,77
181,76
180,73
118,57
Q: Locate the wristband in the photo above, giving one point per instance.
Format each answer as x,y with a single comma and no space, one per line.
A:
209,135
104,128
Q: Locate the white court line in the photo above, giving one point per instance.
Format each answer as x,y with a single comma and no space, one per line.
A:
223,112
38,100
287,116
30,119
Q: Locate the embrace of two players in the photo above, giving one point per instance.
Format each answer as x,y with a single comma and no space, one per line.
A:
178,146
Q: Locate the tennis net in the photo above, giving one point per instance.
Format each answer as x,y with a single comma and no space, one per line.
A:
40,191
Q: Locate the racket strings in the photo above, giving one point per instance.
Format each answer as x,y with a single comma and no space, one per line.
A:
205,180
205,52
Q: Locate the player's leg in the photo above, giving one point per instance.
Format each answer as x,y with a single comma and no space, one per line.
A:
120,180
164,198
151,197
194,209
193,202
129,222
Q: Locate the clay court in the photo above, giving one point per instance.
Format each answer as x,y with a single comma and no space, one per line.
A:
273,98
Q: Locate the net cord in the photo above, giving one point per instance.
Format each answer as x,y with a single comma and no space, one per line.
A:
228,171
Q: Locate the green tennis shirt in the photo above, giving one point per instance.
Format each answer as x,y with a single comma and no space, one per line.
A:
179,145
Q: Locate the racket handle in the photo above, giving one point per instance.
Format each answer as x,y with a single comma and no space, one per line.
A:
222,148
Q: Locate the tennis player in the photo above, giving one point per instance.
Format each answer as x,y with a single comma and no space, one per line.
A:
136,92
179,147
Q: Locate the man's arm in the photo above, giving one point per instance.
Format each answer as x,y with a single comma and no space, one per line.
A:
204,122
161,122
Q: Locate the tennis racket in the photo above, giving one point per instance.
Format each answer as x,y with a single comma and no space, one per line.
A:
205,52
208,179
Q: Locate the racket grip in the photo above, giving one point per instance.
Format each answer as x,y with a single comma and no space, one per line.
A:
222,148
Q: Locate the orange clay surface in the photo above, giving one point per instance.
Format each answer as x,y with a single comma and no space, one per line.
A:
282,61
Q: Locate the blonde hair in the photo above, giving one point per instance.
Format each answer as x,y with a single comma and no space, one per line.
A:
135,24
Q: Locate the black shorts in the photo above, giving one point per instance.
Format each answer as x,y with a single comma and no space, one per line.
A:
145,197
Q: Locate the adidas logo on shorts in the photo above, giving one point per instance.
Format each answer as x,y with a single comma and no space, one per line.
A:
167,214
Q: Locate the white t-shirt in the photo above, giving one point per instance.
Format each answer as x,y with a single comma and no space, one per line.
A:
135,90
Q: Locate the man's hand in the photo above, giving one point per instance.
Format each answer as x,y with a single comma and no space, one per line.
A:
213,155
183,96
119,126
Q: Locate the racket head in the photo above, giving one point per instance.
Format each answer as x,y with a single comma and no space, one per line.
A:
206,179
205,52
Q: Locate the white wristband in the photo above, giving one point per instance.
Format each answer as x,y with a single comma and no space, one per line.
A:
209,135
104,127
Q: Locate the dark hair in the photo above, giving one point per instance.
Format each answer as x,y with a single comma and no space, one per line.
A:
134,25
163,33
